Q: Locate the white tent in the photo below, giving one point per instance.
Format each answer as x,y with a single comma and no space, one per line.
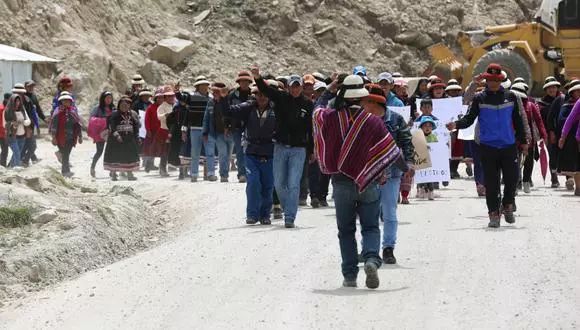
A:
16,66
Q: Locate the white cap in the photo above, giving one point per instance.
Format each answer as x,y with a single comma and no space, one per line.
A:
355,88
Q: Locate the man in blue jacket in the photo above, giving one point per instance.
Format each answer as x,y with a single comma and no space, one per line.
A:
498,111
386,81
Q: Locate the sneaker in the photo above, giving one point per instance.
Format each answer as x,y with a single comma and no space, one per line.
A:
193,178
265,221
131,177
388,256
527,187
371,270
302,202
224,179
349,283
508,213
469,170
455,175
93,172
277,213
289,224
212,178
251,221
431,195
315,203
323,203
570,184
494,220
405,201
242,179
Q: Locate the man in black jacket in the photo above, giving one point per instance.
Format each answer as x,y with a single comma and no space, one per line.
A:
293,140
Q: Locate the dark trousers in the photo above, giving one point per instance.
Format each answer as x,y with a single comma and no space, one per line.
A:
98,154
477,167
528,166
496,162
65,153
304,181
454,165
553,151
4,151
317,182
260,174
275,199
28,152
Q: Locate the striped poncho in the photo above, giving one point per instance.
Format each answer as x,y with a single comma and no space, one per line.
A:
360,150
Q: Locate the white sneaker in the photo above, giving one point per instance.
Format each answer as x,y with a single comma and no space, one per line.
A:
527,188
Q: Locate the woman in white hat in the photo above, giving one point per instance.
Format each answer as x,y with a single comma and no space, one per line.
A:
15,121
66,131
551,93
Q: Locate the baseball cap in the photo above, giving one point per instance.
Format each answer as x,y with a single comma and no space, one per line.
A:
359,70
386,76
29,83
319,85
295,79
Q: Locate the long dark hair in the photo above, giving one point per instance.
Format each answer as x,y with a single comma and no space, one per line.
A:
102,105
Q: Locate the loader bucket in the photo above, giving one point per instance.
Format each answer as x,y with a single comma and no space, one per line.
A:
444,63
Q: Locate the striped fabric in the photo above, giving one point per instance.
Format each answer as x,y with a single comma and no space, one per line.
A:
361,150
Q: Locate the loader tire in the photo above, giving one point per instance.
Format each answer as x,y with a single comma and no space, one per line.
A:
514,64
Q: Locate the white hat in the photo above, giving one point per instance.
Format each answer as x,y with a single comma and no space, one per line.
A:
575,85
397,75
201,80
354,87
63,97
507,82
453,85
519,89
18,88
519,80
551,81
137,80
320,85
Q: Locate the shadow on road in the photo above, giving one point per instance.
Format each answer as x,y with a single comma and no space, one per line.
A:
276,228
345,292
504,228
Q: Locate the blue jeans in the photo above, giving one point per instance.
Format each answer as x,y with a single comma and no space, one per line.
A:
260,187
389,196
16,145
288,166
240,156
29,149
196,144
225,146
477,168
349,203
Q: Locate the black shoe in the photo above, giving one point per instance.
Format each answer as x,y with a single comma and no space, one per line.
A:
469,171
455,175
323,203
278,214
251,221
494,220
93,172
520,186
266,221
315,203
555,184
388,256
289,225
445,184
131,177
372,272
350,283
508,214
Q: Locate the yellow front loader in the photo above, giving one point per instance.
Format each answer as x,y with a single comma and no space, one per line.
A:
548,46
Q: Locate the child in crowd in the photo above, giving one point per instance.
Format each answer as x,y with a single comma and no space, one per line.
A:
427,125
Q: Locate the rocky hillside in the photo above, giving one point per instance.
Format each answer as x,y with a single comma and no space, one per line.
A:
103,42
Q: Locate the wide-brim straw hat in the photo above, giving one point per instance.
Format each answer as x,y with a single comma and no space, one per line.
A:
354,87
63,97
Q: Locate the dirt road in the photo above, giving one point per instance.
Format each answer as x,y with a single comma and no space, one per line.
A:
218,273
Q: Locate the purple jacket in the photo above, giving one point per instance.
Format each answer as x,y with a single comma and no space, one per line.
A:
572,119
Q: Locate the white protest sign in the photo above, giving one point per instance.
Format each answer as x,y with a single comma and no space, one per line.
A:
467,134
442,133
421,157
403,111
446,110
142,130
439,170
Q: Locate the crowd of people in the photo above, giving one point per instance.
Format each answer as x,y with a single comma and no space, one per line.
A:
291,135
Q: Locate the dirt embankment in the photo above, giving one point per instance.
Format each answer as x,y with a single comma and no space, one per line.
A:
52,229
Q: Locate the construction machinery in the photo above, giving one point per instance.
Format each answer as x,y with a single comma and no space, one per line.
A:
547,46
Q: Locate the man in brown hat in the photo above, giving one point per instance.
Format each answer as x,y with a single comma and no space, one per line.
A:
237,97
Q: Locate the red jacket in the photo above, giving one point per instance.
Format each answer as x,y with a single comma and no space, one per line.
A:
2,129
153,125
535,120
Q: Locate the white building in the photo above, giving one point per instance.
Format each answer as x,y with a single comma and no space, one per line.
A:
16,66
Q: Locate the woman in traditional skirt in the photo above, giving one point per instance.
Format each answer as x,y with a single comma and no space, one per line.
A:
122,150
569,143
